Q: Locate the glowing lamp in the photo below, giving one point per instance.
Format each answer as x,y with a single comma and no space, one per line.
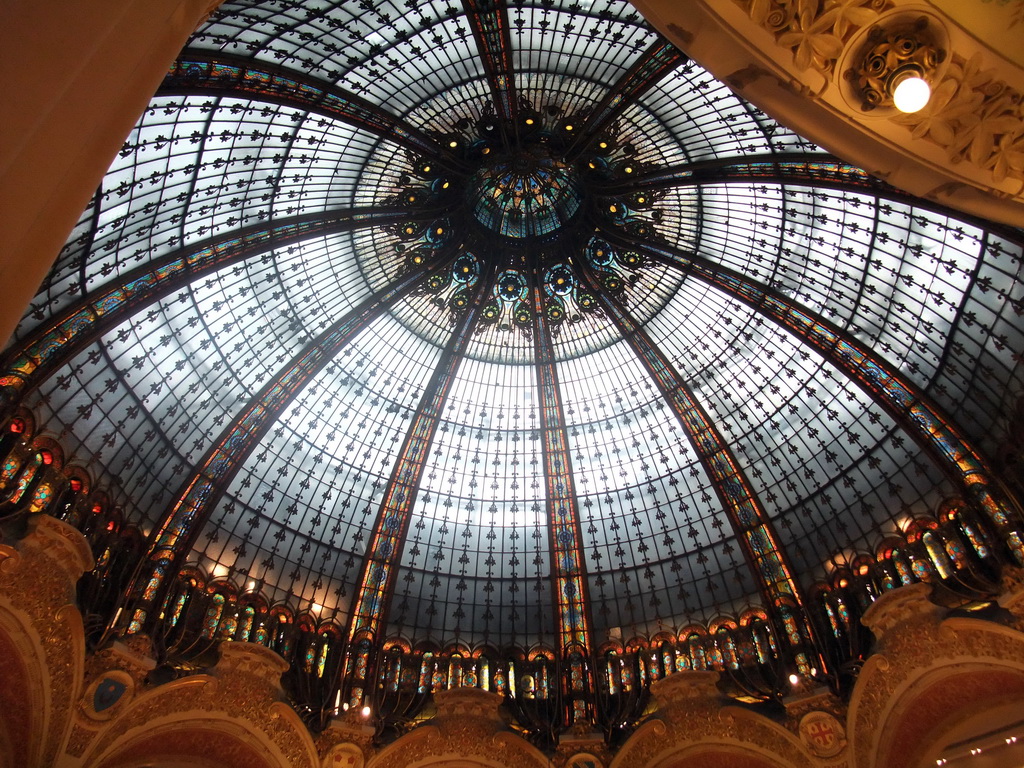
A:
910,91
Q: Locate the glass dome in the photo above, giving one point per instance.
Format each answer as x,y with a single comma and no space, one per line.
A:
508,327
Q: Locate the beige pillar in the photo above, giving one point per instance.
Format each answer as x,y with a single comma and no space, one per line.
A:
74,77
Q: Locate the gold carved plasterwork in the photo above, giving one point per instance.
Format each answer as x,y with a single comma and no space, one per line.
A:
1012,598
244,689
344,756
37,580
975,117
352,729
817,700
814,31
467,728
693,716
915,641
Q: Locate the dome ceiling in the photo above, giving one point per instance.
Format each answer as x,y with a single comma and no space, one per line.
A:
507,326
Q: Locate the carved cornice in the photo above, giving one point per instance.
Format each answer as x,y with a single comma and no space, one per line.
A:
243,689
788,57
919,647
468,727
37,582
694,717
906,605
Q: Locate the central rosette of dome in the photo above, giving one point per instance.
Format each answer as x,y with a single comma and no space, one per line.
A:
527,195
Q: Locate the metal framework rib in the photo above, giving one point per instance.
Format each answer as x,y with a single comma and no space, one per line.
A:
749,519
227,75
199,493
574,622
489,20
797,167
761,548
909,406
660,58
82,323
377,580
819,170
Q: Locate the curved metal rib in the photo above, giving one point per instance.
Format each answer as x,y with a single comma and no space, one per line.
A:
198,495
58,341
658,60
227,75
489,20
906,404
376,583
574,622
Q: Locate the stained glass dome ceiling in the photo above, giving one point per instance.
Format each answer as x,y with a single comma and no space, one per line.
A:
507,326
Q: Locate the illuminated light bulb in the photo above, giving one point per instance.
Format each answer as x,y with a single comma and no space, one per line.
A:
794,680
910,93
453,144
591,164
628,169
529,121
568,127
317,607
251,586
445,185
365,711
603,145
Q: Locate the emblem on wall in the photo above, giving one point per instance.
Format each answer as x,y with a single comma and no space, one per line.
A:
822,734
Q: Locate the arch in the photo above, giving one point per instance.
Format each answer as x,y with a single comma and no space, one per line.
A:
938,701
211,740
928,679
24,695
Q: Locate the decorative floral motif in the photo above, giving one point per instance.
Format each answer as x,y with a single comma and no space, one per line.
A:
976,118
815,30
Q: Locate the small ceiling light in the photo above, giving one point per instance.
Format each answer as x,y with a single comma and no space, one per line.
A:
794,679
568,127
365,711
453,144
529,121
910,91
628,169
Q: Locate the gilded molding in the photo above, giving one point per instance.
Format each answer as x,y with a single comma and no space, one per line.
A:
37,580
243,688
694,717
468,727
915,642
815,32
